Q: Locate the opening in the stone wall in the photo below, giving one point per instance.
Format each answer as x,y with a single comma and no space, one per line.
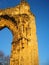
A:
5,46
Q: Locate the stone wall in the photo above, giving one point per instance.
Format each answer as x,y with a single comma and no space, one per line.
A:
21,22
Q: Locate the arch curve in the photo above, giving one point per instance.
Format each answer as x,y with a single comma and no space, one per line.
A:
9,24
7,17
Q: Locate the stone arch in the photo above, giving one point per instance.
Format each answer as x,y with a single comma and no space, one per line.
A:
7,17
9,22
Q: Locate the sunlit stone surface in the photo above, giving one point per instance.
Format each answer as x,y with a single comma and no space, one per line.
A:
21,22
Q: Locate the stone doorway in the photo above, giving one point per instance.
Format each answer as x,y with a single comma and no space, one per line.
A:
6,40
5,45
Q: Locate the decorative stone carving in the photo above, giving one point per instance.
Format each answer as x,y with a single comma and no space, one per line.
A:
21,22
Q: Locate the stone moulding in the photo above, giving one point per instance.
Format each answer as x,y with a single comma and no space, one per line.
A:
21,22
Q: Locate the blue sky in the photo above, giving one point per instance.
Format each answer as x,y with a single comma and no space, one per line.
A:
40,8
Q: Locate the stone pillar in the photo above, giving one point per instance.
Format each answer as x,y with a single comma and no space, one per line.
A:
25,48
21,22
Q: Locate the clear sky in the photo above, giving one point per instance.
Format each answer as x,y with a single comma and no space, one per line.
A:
40,8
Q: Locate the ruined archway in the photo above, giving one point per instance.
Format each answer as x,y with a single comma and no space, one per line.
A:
6,38
21,22
7,22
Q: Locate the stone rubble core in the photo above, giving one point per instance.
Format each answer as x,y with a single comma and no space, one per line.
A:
21,22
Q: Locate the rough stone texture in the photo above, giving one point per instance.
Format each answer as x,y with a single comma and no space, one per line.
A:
21,22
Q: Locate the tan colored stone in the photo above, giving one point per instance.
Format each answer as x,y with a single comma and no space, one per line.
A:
21,22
